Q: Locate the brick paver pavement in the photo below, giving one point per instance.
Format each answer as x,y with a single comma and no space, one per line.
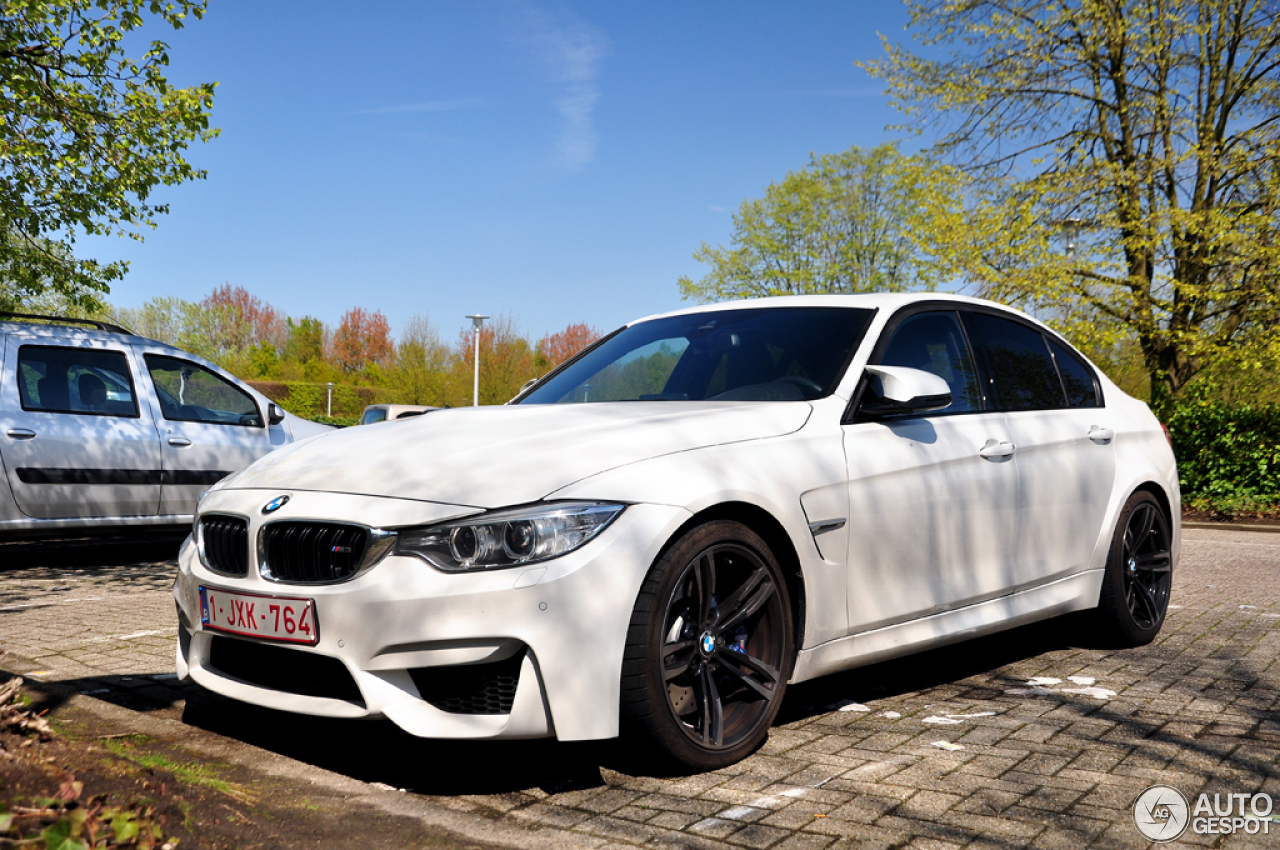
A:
956,747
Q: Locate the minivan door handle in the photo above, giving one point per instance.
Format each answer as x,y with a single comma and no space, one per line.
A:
180,442
995,450
21,434
1101,436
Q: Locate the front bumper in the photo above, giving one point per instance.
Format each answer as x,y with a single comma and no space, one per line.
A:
559,627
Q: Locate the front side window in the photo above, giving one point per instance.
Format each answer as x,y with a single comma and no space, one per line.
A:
86,381
756,354
377,414
935,342
1017,363
188,392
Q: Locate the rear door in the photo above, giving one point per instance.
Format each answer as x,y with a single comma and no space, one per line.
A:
209,427
76,441
1065,458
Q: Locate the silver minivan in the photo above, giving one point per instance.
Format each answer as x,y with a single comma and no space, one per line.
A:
103,428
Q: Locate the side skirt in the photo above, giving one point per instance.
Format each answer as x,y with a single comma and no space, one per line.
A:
1075,593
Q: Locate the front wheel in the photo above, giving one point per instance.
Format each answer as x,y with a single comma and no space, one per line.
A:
1139,573
709,649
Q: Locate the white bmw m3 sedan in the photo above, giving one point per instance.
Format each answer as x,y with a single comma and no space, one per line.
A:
656,538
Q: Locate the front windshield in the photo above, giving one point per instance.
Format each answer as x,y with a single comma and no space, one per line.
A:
760,354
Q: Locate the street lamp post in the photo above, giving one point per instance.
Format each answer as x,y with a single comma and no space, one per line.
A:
329,409
477,322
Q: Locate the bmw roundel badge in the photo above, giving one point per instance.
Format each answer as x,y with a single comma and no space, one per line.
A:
708,644
275,504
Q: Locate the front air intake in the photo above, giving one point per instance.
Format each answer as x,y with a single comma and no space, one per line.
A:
471,688
224,544
311,552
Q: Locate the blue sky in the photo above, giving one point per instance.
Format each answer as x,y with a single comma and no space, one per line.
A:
555,163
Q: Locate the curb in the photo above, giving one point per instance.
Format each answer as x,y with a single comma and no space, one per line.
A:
1229,526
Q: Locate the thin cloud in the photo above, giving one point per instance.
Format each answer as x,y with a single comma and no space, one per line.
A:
572,51
429,106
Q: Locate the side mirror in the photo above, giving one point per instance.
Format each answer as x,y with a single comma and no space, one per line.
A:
275,414
898,390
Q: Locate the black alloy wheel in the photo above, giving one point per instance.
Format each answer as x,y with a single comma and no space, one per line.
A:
1139,575
710,647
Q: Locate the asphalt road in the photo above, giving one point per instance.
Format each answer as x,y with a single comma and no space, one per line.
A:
855,759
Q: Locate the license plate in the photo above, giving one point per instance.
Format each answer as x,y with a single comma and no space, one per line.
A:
281,618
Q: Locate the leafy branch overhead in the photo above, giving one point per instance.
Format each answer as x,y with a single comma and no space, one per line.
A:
86,134
842,224
1152,127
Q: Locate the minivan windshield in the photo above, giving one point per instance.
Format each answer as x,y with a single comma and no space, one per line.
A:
754,354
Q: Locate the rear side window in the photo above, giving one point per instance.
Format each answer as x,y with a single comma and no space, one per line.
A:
188,392
1077,377
1017,364
85,381
934,342
378,414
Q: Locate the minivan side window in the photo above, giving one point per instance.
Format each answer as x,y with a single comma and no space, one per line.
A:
935,342
1077,377
188,392
84,381
1017,363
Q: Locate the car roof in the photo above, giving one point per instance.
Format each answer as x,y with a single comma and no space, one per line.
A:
866,301
72,334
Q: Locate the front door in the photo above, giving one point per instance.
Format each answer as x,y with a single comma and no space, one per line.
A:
932,498
75,440
209,427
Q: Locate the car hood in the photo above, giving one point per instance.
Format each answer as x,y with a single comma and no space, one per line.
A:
488,457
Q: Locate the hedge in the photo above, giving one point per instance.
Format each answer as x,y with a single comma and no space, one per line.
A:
1228,456
310,400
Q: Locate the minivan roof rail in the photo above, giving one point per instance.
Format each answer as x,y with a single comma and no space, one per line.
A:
102,326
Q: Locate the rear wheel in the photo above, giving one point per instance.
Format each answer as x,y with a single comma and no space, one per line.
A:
709,649
1139,574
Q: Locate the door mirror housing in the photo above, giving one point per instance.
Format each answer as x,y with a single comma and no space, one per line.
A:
275,413
899,390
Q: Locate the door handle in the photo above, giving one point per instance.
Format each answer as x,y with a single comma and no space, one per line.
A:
21,434
179,442
1101,436
996,450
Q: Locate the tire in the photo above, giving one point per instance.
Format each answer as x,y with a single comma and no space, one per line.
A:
1139,574
709,649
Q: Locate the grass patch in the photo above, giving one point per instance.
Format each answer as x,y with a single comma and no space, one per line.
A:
190,772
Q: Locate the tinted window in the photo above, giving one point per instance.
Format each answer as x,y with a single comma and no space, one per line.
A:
378,414
75,380
759,354
1017,363
1077,377
934,342
189,392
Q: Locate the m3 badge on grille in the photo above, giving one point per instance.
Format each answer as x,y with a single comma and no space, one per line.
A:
275,504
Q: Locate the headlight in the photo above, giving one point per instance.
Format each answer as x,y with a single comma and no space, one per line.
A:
508,538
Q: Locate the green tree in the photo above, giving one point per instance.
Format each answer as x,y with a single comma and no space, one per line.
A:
421,364
1153,126
841,224
86,133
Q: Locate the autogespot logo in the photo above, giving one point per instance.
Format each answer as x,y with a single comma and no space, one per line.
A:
1161,813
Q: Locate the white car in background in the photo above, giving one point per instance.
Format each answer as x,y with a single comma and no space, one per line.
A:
102,429
704,506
